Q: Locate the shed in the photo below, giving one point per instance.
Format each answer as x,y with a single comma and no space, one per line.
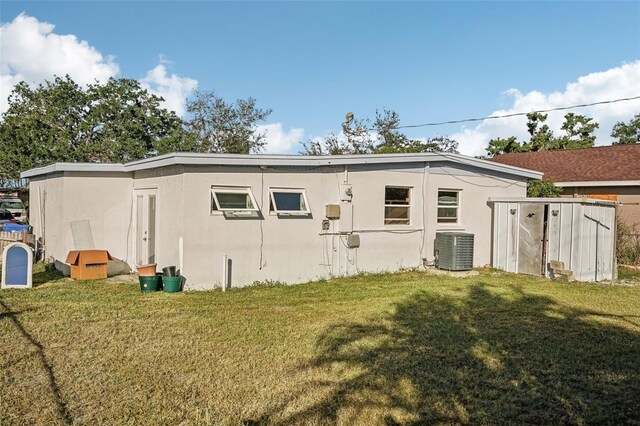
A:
552,236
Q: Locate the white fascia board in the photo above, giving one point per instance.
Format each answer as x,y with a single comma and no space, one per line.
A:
324,160
527,200
599,183
73,167
281,160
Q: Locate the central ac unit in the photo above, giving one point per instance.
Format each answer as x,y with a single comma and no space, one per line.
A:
453,251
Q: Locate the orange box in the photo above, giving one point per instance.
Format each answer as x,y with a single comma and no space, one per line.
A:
88,264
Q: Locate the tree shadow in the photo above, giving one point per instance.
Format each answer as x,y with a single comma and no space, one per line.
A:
61,405
477,359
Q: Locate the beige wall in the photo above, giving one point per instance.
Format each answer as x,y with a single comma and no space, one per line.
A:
172,213
102,199
291,249
295,249
628,213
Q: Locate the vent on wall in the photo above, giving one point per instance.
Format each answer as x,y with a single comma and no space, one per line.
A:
454,251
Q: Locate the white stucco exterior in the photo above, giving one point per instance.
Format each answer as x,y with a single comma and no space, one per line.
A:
269,247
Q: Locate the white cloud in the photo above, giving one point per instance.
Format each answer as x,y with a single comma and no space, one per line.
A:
618,82
278,141
32,52
173,88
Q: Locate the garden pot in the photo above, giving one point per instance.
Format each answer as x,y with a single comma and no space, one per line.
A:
171,284
147,270
149,284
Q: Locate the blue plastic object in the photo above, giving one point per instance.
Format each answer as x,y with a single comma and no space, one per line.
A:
17,266
15,227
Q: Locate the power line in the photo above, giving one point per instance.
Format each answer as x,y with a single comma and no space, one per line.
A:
515,114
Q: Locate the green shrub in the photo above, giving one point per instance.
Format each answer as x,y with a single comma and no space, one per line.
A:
628,244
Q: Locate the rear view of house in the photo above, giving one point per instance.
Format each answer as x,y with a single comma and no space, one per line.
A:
238,219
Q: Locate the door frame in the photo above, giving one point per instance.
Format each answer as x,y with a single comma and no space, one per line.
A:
145,192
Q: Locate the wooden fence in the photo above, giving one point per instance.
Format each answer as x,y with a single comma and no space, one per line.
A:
7,238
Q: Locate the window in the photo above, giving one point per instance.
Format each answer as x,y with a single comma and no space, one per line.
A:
448,204
288,201
232,199
397,201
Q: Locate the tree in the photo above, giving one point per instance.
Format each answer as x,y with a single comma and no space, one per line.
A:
627,133
579,132
216,126
543,189
61,121
383,136
500,146
541,136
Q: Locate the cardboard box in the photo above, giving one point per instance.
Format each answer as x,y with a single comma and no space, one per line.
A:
88,264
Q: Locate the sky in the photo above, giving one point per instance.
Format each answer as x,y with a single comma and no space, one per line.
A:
312,62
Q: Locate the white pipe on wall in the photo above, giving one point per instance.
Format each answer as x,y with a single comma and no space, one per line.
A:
181,255
224,272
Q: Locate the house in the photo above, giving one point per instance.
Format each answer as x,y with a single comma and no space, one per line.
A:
237,219
604,172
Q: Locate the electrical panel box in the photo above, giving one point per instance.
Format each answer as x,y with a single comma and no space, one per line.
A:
346,192
332,211
353,241
454,251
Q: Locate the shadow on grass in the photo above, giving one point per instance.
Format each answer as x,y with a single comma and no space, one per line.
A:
476,359
65,415
43,274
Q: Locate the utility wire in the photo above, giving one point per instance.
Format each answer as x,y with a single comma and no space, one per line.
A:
515,114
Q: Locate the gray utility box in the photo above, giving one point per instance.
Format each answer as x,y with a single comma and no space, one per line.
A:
454,251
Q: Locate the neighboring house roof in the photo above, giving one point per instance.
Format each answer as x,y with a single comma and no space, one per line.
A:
604,165
278,160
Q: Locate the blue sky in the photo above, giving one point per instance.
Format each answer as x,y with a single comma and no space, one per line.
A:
311,62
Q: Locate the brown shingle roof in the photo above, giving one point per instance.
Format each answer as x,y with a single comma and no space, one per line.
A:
604,163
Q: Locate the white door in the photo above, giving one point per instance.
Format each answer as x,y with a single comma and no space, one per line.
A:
145,201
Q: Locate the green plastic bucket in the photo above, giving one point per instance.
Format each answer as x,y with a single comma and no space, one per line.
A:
149,284
171,284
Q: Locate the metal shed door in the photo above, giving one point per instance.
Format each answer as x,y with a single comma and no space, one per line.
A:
530,239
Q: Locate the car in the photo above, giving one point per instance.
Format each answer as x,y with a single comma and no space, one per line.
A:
16,207
6,217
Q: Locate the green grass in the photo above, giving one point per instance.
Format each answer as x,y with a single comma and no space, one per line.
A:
626,273
408,348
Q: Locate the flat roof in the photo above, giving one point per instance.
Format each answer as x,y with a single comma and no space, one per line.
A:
278,160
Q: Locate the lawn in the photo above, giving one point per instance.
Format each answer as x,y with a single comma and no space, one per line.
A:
408,348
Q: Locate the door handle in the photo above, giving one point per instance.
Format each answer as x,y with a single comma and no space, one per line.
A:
144,238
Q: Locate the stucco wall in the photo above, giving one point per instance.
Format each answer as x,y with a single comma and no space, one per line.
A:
46,213
271,248
172,212
102,199
295,249
629,213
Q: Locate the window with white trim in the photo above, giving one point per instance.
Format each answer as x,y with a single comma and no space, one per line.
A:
397,203
288,202
448,206
232,199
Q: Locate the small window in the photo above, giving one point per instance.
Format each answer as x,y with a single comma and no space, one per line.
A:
232,199
448,204
287,201
397,201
